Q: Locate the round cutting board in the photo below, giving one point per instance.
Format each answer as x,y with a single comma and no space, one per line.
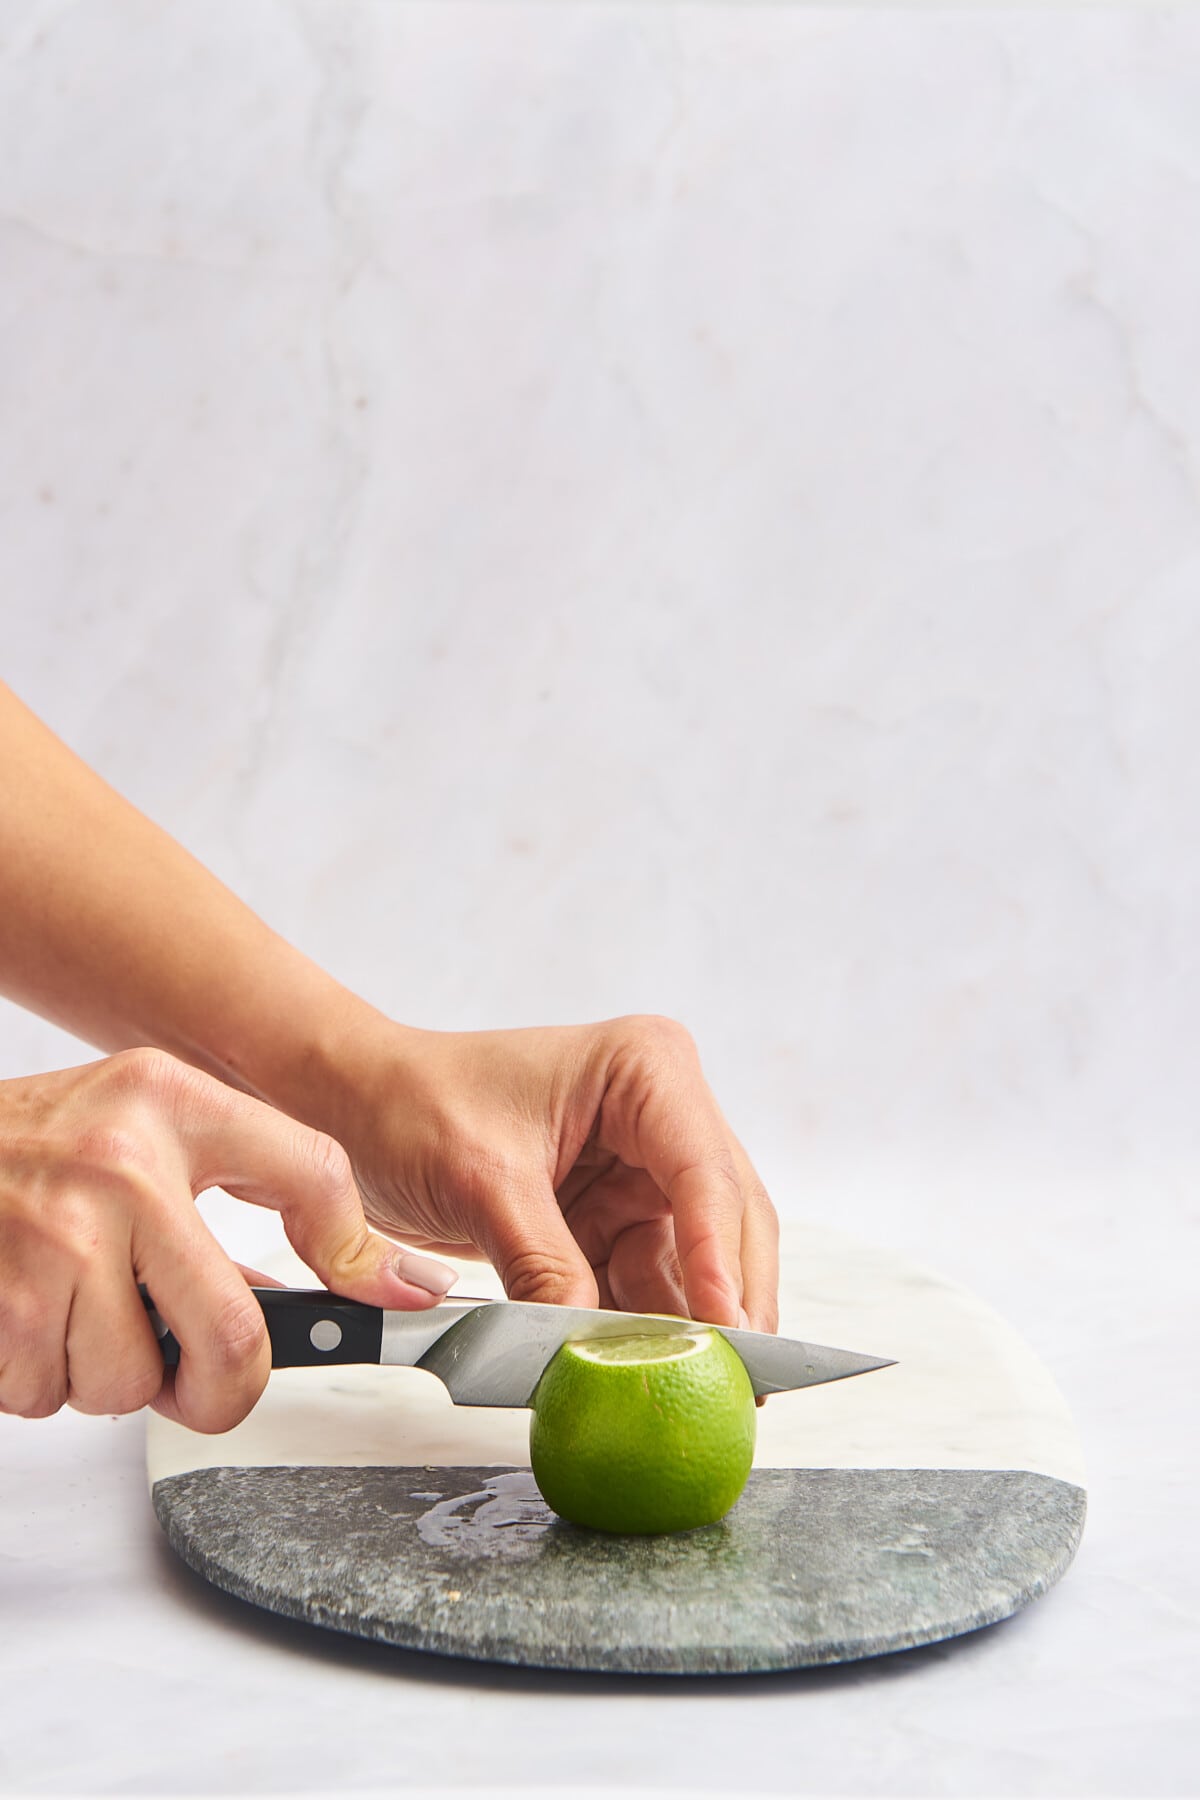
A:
892,1509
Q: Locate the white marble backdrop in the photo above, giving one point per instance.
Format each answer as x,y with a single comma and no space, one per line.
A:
584,508
577,508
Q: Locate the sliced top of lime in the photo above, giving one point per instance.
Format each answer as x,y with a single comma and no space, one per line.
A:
645,1347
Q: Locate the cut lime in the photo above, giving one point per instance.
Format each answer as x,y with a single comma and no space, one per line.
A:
644,1433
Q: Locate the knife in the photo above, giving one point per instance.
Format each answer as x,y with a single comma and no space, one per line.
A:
493,1352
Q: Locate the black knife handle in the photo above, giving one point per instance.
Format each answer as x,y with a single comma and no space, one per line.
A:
308,1328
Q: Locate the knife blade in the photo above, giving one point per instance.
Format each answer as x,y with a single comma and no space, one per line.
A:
493,1352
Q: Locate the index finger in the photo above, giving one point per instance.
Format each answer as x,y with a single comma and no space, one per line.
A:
232,1141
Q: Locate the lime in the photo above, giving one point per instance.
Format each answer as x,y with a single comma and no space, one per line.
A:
646,1433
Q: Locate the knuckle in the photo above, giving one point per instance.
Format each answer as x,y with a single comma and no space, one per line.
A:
147,1072
64,1243
327,1159
343,1264
127,1390
723,1165
22,1322
536,1276
237,1335
135,1390
766,1219
111,1149
715,1169
31,1387
762,1220
44,1402
660,1033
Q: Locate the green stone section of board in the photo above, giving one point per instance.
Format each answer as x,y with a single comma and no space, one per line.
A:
811,1566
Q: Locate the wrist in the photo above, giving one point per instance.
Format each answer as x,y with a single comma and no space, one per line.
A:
309,1046
349,1065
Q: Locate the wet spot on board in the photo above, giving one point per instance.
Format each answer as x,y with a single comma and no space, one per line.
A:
508,1510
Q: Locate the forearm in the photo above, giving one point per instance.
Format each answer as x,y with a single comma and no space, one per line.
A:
111,929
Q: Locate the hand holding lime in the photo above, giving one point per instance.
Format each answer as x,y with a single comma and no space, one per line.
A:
645,1433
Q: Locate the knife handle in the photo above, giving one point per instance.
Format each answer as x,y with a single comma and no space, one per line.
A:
308,1328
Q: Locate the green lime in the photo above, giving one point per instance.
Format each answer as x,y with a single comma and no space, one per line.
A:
647,1433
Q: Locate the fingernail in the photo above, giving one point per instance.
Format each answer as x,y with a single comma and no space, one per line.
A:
424,1272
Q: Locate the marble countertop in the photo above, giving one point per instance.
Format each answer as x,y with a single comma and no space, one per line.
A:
680,507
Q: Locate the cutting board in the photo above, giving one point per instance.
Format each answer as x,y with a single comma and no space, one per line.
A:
893,1509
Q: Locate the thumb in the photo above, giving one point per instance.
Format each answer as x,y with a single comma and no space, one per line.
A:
360,1264
534,1253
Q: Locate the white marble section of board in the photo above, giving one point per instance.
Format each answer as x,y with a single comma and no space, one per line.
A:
966,1393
